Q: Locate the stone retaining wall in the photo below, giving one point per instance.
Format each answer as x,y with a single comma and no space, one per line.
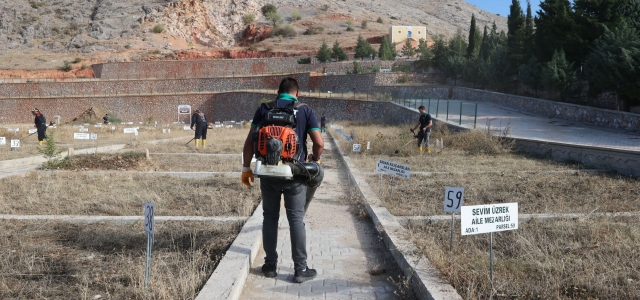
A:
155,86
220,67
229,106
550,109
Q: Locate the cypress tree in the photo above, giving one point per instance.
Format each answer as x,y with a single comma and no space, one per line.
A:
474,38
528,33
515,35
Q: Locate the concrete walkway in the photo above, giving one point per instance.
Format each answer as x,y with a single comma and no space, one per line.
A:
522,124
345,250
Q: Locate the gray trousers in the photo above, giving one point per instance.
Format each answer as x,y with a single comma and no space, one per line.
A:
423,136
294,192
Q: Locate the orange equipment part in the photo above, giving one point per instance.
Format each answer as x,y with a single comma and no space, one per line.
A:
285,134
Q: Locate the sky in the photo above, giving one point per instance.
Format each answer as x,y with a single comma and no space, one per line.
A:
502,6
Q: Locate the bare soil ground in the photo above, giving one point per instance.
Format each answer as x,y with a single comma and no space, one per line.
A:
589,258
123,194
56,260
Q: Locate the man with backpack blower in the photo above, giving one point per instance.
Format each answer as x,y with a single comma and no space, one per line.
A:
278,139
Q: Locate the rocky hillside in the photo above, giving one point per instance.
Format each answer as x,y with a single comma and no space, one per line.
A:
41,33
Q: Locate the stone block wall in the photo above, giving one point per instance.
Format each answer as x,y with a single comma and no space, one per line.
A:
220,67
385,79
550,109
167,86
162,108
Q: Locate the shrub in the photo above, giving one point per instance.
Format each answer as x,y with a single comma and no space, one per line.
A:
394,18
52,154
268,8
325,7
295,16
349,28
364,24
252,48
379,20
403,79
155,52
310,31
249,18
304,61
158,28
284,31
67,66
77,60
83,67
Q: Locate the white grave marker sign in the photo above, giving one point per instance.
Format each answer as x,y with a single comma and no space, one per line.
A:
15,143
81,136
389,167
488,218
357,147
3,140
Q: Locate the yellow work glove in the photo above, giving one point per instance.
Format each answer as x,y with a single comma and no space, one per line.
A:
247,175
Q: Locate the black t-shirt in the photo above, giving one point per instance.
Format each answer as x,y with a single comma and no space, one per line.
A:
40,120
425,119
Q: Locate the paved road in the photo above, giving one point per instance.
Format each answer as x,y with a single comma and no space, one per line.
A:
527,125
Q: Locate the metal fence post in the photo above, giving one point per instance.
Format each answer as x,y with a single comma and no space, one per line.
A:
475,116
460,123
447,119
437,107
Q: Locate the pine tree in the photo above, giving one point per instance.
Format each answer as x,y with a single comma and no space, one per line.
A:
338,53
441,52
407,49
559,75
324,54
458,45
555,30
614,64
531,75
454,67
474,38
363,48
385,52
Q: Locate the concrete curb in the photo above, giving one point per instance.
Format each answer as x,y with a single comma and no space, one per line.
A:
425,278
120,219
229,278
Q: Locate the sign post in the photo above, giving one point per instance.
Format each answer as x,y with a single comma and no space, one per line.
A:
3,140
453,199
149,224
489,218
391,168
15,144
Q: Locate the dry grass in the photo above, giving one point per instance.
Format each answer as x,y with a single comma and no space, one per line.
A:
63,136
219,140
122,194
562,259
56,260
535,192
494,174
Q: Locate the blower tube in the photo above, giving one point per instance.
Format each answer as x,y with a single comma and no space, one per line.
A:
314,173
